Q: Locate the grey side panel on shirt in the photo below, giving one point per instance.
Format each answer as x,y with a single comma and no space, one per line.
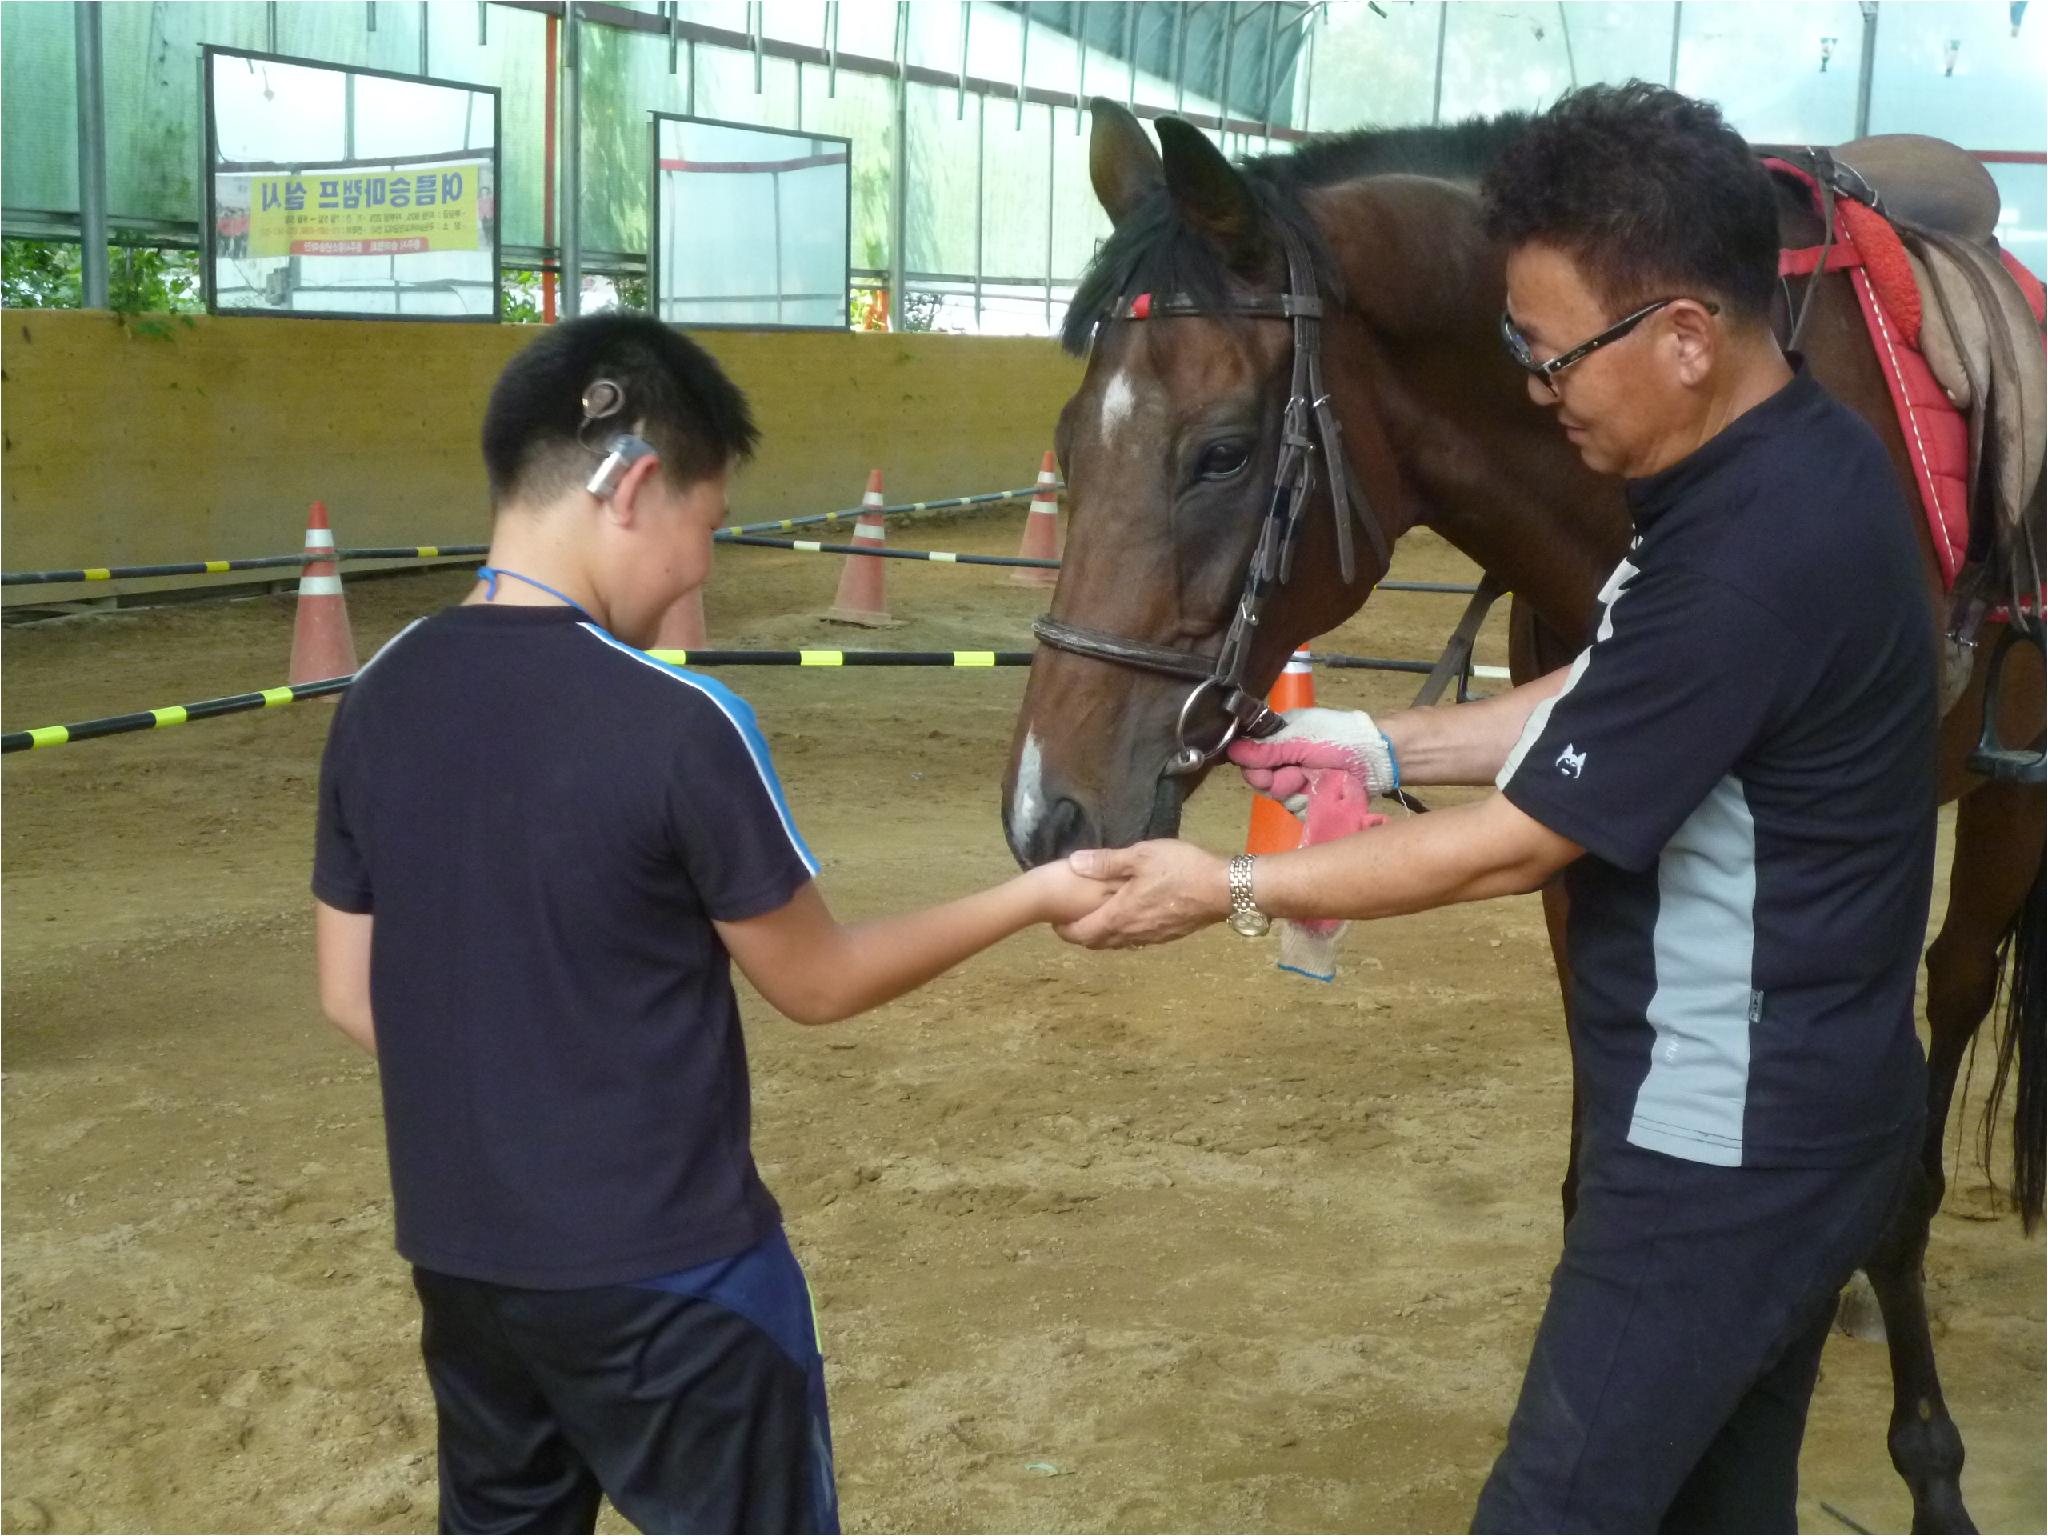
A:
1692,1101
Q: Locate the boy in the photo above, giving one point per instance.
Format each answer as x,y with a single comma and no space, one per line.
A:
558,843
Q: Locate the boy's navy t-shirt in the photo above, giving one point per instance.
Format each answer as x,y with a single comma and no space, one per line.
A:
1747,753
544,822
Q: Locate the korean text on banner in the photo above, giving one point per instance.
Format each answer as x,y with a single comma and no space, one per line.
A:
371,213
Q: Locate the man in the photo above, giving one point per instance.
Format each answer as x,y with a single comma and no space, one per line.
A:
539,851
1736,780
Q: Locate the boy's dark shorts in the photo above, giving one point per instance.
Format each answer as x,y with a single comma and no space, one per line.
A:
1669,1381
696,1401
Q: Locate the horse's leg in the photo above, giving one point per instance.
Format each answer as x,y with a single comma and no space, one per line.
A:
1998,838
1555,907
1997,853
1926,1446
1533,649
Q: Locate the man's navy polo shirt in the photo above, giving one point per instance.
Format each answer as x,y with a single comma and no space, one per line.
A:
1747,753
545,822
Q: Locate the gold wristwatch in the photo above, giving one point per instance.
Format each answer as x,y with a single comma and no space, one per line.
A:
1245,915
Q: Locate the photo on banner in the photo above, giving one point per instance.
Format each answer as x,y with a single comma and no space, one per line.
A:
750,225
348,193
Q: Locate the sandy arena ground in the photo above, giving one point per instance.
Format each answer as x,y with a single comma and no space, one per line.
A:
1164,1240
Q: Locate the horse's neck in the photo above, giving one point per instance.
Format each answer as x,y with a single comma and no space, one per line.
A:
1512,496
1482,466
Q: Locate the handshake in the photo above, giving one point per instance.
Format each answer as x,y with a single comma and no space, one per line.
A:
1325,766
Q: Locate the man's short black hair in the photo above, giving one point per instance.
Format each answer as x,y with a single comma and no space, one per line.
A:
1651,193
676,397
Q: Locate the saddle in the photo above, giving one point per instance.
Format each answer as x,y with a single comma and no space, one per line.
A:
1928,183
1975,317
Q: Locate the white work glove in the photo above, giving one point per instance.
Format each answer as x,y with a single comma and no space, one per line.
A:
1289,765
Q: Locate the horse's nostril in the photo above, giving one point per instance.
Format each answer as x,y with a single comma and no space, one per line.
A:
1063,828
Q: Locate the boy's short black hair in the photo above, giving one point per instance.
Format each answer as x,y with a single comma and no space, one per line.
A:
1651,193
676,397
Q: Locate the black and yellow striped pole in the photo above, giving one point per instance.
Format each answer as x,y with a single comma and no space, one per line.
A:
882,551
900,509
823,658
251,563
175,714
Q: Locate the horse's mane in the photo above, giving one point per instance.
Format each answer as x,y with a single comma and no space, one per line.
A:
1155,250
1454,151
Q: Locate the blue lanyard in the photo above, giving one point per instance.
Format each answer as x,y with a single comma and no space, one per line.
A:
489,574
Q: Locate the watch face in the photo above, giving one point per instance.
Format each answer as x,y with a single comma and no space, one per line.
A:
1252,925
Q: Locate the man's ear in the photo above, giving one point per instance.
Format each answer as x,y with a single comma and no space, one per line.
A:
623,505
1698,338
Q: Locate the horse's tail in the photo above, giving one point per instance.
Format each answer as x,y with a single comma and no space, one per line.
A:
2021,1044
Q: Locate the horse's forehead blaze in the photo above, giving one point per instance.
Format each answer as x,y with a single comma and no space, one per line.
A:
1119,403
1123,387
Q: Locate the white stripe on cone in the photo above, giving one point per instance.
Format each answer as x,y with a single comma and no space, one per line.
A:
861,598
1041,539
322,645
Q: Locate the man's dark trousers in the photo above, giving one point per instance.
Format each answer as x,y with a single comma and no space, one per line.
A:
1668,1386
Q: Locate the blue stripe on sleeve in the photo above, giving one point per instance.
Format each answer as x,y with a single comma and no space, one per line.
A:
741,714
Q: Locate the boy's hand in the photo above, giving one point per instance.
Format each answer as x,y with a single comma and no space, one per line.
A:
1064,896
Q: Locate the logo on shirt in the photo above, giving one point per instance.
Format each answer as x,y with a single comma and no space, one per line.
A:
1571,762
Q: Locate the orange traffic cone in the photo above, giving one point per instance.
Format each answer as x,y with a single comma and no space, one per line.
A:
1274,829
322,646
682,626
861,599
1041,528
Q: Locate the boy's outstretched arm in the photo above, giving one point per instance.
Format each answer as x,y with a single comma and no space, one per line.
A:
817,970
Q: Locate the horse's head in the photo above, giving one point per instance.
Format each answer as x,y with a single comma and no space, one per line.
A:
1172,449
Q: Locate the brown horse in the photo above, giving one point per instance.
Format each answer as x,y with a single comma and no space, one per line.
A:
1171,447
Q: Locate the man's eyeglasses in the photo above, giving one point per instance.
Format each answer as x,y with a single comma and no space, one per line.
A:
1525,358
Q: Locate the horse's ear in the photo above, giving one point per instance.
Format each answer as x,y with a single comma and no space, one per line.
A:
1208,190
1121,160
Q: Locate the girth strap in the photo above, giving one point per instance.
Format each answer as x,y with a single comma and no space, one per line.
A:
1457,652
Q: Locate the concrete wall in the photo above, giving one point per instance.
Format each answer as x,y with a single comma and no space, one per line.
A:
126,449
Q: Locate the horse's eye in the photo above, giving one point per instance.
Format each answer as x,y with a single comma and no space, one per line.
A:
1220,461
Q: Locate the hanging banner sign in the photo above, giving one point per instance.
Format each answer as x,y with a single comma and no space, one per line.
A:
372,213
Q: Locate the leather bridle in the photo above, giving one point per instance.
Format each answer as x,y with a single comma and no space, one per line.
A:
1308,430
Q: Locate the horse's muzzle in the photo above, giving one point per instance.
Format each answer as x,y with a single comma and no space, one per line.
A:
1064,827
1068,825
